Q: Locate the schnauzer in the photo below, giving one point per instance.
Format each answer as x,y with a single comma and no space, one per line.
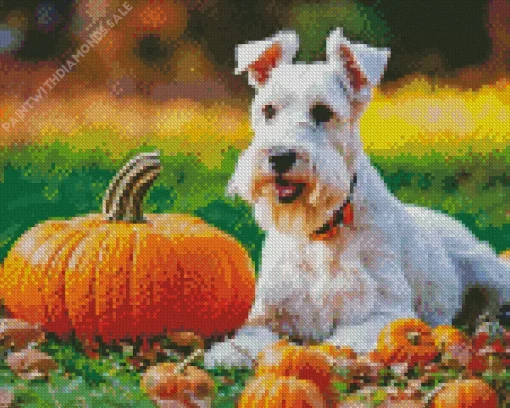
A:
342,256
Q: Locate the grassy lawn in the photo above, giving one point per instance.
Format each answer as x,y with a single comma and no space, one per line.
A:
54,181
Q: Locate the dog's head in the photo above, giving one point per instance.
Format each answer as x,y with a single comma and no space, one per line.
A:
300,164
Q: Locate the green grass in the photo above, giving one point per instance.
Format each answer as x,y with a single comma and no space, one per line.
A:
54,181
105,382
473,188
37,183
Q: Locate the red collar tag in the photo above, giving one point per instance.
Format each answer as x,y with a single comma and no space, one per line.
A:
341,217
331,228
348,215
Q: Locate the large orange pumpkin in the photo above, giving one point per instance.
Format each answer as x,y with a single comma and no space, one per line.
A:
121,275
469,393
273,391
406,340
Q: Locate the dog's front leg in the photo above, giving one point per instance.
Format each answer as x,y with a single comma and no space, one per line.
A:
362,337
242,349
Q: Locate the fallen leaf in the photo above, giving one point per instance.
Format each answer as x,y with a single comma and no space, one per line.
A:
403,403
6,398
352,405
16,334
186,339
31,364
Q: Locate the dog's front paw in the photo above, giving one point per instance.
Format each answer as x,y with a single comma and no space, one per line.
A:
226,354
360,344
361,339
242,350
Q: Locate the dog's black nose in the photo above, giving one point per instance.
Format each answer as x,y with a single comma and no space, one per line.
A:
283,161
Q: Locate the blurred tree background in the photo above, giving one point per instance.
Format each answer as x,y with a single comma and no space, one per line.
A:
163,78
161,40
437,128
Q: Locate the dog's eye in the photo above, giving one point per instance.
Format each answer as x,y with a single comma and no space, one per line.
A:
321,113
269,111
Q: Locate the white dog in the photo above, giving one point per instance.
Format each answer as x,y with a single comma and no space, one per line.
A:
342,256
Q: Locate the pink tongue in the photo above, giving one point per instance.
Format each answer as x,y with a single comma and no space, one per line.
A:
285,191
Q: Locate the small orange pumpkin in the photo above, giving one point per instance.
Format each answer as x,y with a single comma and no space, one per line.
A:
272,391
447,336
166,382
122,275
469,393
284,359
406,340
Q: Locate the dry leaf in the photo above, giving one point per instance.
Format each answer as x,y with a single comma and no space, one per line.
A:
17,334
352,404
186,339
404,403
6,398
31,364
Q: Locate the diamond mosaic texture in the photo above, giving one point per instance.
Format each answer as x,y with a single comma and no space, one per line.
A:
218,203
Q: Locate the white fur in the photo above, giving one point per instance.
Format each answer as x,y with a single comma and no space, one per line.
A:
395,261
372,60
250,52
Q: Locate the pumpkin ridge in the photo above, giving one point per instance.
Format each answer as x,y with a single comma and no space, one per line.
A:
164,278
182,272
130,301
72,253
48,237
132,296
16,279
235,264
240,290
102,233
94,282
80,236
112,307
43,276
227,273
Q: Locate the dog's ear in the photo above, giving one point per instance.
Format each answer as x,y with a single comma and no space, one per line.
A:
260,57
362,65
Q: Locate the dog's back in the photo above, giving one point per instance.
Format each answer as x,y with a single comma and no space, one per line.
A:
475,262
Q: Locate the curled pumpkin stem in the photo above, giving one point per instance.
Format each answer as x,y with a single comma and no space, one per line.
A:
123,200
414,338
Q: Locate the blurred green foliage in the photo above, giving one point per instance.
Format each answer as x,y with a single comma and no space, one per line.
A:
55,181
314,21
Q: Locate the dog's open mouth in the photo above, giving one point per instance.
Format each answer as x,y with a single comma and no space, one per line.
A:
287,191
